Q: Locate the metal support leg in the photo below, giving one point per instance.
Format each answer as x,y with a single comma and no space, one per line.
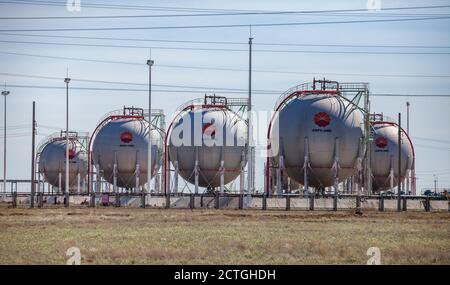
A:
192,201
168,200
59,181
381,203
279,175
288,203
336,174
115,188
78,183
305,168
196,170
222,176
136,174
242,175
264,201
359,186
216,200
175,177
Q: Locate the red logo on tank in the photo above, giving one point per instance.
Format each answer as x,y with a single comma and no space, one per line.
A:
381,142
322,119
71,153
126,137
209,130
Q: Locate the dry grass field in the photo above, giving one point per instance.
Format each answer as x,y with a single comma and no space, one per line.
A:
150,236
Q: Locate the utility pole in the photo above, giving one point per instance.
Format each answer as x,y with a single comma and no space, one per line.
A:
150,63
367,130
4,93
33,133
250,128
407,118
399,175
66,192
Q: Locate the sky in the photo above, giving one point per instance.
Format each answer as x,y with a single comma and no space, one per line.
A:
407,70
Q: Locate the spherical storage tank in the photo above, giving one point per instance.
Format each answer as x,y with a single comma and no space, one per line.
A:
52,160
384,155
123,140
220,135
329,124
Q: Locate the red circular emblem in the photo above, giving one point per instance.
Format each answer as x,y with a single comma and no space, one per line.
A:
126,137
381,142
322,119
71,153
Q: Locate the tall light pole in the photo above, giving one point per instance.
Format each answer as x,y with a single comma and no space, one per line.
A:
150,63
250,129
407,117
399,177
67,80
4,93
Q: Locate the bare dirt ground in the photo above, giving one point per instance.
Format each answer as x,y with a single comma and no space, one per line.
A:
151,236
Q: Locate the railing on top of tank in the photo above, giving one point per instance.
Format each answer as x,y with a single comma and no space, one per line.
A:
353,86
60,135
382,117
193,102
301,87
345,89
119,112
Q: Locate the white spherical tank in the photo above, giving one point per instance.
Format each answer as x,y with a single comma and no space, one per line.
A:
385,155
124,142
210,135
332,129
52,162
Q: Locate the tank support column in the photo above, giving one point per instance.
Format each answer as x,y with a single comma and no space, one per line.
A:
359,168
196,171
78,182
136,173
222,176
115,190
305,167
157,184
408,174
59,181
391,174
222,172
175,177
280,175
336,174
242,176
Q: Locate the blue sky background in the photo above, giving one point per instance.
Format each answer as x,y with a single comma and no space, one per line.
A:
430,117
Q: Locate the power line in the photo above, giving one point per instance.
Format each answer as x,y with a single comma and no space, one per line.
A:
216,14
229,69
210,90
432,140
432,147
225,25
132,83
227,49
191,9
228,42
128,7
